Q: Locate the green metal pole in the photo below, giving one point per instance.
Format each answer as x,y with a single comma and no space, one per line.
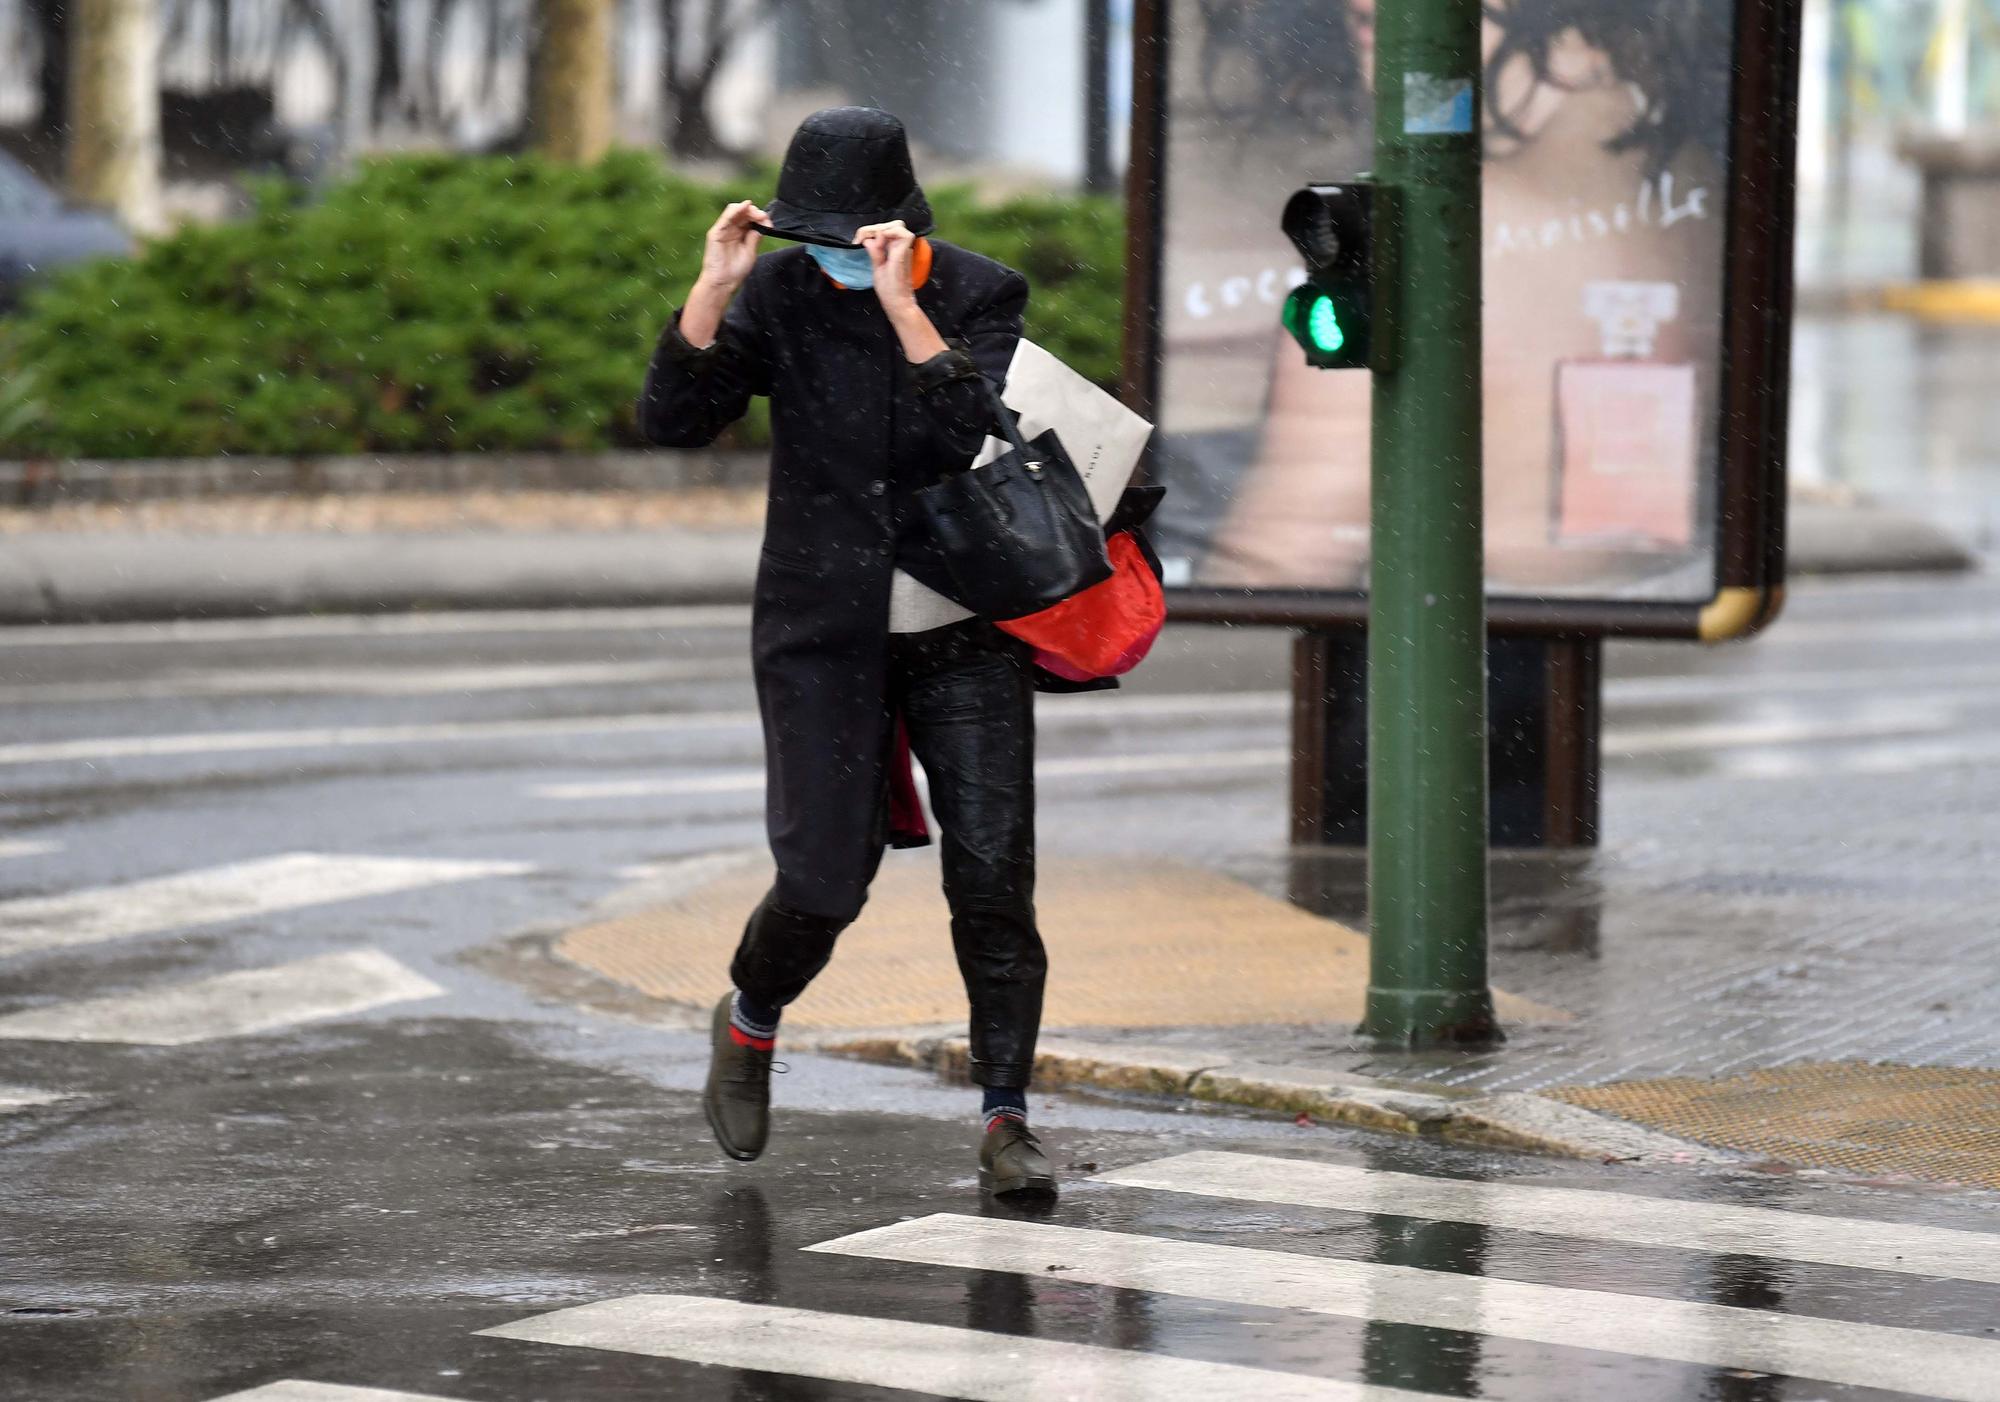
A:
1427,811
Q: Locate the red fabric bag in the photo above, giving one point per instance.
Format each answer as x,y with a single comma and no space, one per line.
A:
1107,629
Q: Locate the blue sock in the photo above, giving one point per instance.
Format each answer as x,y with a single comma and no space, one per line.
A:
1003,1103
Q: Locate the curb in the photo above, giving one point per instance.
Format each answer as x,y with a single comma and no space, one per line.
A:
111,576
1511,1120
43,481
62,578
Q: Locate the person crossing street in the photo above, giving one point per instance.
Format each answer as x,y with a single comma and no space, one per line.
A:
870,339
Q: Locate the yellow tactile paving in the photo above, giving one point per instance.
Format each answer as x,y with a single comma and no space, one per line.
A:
1921,1122
1131,944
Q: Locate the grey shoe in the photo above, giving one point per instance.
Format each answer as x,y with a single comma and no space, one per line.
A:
737,1098
1012,1165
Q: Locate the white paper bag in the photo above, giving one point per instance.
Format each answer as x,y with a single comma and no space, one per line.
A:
1102,437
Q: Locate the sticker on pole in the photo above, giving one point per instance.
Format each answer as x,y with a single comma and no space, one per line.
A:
1434,105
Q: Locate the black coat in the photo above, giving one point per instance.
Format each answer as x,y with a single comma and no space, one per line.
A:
856,430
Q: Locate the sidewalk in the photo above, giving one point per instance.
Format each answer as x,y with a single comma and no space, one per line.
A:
1647,1019
389,552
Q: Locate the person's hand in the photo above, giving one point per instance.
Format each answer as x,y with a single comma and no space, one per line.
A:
731,248
890,247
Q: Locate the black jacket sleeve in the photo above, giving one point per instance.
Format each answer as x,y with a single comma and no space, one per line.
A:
694,392
948,383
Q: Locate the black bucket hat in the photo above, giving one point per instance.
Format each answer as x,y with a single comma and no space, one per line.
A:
846,167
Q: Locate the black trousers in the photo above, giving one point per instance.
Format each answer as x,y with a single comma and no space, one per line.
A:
967,697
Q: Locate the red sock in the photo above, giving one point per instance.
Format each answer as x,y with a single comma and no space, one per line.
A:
744,1039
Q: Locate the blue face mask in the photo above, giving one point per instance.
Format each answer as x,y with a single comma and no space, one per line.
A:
850,267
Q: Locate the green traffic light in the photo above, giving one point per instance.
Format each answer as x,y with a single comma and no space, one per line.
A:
1312,315
1323,325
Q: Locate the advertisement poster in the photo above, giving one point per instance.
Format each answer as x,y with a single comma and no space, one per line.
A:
1605,127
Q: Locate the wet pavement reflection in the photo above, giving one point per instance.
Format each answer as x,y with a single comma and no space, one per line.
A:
354,1208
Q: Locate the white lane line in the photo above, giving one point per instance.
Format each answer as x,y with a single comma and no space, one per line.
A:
1617,745
233,892
212,742
1724,735
1890,757
933,1358
1953,1366
293,1390
370,681
229,1005
1579,1212
1074,711
393,625
752,780
443,681
1080,711
22,847
27,1098
1713,686
729,781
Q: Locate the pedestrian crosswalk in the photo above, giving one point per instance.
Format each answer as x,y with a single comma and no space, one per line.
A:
1905,1248
1732,1341
934,1358
1718,1336
264,886
25,847
229,1005
341,983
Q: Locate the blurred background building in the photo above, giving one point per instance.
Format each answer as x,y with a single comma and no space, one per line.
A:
1899,145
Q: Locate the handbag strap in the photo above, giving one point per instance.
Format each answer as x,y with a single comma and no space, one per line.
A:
1010,426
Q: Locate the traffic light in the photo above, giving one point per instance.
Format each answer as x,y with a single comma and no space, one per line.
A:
1331,313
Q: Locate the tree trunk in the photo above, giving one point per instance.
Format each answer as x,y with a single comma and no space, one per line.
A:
570,84
53,79
114,109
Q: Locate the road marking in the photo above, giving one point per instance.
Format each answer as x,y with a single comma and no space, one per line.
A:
1891,757
233,892
393,625
1710,686
933,1358
27,1098
1579,1212
432,681
1617,745
211,742
1079,711
21,847
229,1005
293,1390
1725,735
1953,1366
752,780
371,681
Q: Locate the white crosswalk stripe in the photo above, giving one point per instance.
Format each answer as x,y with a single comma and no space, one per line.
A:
1580,1212
292,1390
27,1098
23,847
234,892
229,1005
1954,1366
933,1358
974,1363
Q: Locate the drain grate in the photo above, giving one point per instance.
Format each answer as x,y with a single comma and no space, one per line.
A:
1931,1123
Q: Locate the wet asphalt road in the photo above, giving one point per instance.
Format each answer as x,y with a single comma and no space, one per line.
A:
346,1196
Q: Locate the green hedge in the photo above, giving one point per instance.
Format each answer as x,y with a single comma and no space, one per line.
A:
444,304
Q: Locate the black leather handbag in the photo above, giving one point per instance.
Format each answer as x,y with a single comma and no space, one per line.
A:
1018,535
